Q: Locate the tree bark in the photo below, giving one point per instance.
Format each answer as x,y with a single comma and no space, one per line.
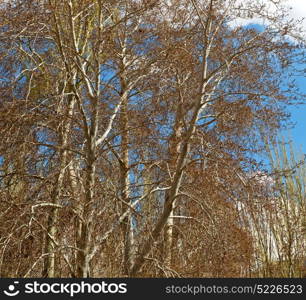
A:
51,238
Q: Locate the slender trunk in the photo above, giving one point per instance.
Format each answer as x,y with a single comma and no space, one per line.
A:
50,245
169,238
127,225
175,149
170,198
84,233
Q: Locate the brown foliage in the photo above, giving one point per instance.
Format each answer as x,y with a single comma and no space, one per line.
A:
126,135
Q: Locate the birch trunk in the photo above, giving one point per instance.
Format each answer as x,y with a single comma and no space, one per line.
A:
50,245
175,148
171,196
84,233
127,226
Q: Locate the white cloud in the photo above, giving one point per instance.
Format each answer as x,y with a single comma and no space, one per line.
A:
296,10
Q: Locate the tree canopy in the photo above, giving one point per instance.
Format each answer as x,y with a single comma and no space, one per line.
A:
128,136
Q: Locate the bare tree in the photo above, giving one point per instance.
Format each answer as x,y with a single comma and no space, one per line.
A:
135,122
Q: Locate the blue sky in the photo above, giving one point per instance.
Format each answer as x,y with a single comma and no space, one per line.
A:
296,11
298,116
298,133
